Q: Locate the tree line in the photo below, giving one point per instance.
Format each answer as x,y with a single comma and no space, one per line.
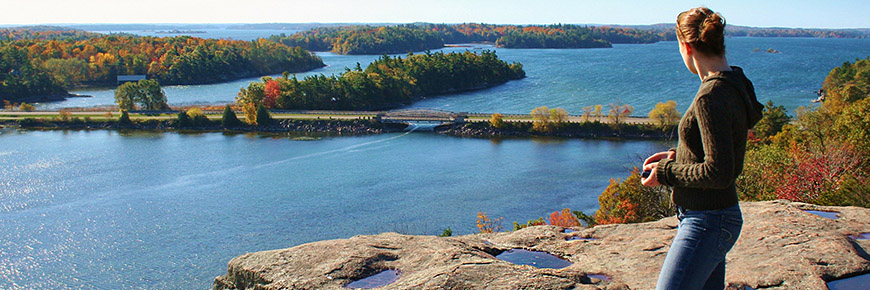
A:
387,82
33,67
419,37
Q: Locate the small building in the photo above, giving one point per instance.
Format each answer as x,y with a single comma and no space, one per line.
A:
130,78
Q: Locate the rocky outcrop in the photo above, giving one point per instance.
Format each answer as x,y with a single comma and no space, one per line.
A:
781,247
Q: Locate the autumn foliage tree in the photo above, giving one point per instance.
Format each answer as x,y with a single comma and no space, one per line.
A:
496,120
665,114
628,201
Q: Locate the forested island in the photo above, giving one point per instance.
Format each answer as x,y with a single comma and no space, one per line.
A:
418,37
388,82
44,62
381,39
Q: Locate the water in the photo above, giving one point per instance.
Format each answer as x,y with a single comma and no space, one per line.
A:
381,279
534,258
111,210
825,214
637,74
854,283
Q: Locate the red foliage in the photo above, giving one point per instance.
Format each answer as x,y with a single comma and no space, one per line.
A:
271,93
564,218
816,175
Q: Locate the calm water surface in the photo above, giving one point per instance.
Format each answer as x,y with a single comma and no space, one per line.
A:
109,210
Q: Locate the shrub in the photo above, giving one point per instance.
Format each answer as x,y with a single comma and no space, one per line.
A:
487,225
530,223
26,107
197,117
629,201
446,233
496,120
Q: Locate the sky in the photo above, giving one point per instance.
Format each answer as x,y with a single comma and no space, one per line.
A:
759,13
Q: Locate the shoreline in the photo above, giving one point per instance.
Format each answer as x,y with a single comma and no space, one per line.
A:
359,126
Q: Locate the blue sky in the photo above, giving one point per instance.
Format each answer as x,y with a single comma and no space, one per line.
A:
794,13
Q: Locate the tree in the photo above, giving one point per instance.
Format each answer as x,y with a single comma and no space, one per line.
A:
587,112
558,116
229,118
124,120
665,114
263,116
564,218
145,93
541,119
853,125
250,110
772,120
597,112
496,120
618,112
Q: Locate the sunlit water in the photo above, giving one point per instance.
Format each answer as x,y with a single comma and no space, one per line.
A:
102,209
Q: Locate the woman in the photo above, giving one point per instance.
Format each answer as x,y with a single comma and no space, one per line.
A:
709,156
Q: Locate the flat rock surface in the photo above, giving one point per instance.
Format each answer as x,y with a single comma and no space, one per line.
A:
781,247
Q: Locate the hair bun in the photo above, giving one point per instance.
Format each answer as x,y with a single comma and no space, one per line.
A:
702,28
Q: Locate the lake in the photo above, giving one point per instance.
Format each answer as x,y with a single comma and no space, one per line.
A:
113,210
151,210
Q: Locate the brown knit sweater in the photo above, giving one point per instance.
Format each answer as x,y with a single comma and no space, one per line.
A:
712,143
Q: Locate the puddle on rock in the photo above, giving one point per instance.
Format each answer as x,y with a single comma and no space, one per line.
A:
857,282
825,214
601,277
575,238
381,279
533,258
568,231
861,236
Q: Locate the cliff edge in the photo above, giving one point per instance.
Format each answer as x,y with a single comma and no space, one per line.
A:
782,246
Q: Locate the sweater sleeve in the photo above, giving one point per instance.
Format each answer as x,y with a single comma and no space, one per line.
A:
717,168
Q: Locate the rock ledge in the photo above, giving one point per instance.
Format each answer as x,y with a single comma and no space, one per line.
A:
781,247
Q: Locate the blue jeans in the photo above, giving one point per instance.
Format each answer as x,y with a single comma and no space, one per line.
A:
696,259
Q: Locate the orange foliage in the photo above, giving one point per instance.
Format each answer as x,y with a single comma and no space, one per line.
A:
564,218
487,225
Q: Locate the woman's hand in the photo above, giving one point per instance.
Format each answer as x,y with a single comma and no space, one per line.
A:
651,163
659,156
650,180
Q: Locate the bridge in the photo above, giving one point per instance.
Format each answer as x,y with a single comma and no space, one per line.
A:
420,115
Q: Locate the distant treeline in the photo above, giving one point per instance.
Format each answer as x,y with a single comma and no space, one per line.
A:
44,33
386,83
419,37
37,64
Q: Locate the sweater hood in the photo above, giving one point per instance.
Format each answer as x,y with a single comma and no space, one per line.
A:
736,78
